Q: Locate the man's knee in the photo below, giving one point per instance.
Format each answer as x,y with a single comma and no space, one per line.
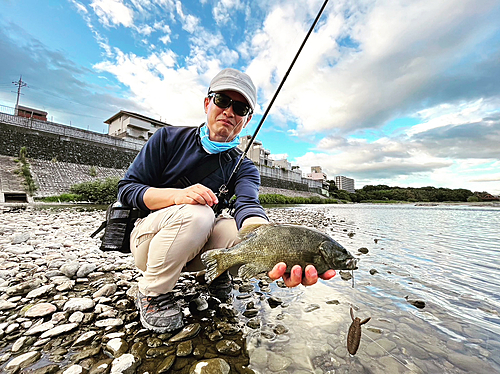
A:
201,217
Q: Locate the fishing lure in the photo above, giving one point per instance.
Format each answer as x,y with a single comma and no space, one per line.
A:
354,334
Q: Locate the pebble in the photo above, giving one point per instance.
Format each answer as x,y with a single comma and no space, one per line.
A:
61,295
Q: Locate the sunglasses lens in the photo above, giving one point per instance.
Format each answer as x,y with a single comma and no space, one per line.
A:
240,109
223,101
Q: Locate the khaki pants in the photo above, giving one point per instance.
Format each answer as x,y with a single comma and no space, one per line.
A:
170,241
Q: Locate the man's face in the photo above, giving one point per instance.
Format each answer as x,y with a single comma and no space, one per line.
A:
224,124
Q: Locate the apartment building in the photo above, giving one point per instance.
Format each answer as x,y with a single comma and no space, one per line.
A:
344,183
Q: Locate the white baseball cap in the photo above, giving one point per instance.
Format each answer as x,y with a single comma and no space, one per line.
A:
235,80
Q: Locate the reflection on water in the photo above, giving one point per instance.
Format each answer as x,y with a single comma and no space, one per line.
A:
446,256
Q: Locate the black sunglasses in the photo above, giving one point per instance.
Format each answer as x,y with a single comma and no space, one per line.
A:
224,101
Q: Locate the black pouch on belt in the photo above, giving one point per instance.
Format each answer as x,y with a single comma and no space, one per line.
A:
119,223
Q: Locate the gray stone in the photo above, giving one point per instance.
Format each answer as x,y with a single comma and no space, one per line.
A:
40,291
85,270
23,361
40,310
81,304
58,330
70,269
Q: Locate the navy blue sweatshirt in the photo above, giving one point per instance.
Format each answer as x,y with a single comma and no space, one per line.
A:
170,154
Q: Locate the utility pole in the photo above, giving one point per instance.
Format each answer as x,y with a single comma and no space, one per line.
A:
19,85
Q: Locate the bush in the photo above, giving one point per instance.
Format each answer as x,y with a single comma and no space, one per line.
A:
473,199
99,191
281,199
63,198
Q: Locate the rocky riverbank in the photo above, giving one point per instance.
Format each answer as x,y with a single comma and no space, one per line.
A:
67,307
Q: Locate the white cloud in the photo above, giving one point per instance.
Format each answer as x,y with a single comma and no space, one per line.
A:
383,60
175,95
113,13
224,9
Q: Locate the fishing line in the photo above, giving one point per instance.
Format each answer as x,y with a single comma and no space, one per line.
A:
389,353
223,190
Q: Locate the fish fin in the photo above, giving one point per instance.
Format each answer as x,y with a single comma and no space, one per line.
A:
211,261
352,314
365,321
248,271
248,230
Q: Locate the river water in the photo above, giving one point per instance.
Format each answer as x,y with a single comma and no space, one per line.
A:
446,256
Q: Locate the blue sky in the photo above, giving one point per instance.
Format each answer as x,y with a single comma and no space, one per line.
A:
402,93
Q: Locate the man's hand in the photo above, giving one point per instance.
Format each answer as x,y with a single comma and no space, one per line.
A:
195,194
158,198
295,277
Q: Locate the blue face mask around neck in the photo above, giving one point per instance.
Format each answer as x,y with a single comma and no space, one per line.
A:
216,147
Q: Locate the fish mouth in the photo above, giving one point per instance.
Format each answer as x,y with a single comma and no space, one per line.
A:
351,264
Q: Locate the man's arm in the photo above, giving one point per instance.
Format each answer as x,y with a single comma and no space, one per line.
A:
158,198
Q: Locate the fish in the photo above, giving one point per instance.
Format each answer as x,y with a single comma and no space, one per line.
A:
354,334
262,246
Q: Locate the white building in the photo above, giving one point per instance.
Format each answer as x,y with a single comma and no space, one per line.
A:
132,125
344,183
257,153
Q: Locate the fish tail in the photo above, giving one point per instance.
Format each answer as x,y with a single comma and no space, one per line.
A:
212,261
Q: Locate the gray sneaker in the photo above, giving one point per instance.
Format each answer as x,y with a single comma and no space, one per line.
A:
221,287
159,313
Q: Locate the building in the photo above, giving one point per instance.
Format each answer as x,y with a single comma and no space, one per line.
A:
344,183
132,125
257,153
317,174
24,111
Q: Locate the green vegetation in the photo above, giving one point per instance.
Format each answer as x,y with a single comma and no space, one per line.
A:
105,192
383,193
63,198
99,191
93,171
24,171
281,199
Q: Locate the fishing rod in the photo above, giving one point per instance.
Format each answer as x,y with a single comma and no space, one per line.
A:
223,190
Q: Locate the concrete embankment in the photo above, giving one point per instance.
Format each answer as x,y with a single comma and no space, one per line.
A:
54,177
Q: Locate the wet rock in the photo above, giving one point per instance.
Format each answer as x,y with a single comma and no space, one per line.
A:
116,347
345,275
166,364
184,348
228,347
373,271
188,332
211,366
363,250
84,339
333,302
254,323
22,361
101,367
125,364
274,301
311,308
280,329
417,303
